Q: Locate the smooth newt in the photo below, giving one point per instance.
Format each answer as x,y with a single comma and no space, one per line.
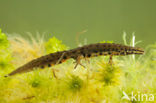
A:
87,51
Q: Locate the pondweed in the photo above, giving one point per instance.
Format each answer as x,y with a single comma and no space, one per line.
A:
98,82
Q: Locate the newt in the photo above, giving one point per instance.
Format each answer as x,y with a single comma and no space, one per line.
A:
86,51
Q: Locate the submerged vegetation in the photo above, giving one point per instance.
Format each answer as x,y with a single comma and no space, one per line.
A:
97,83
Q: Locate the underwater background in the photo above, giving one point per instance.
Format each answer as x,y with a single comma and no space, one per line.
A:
31,29
100,19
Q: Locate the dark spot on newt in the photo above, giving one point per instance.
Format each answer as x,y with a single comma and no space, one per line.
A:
100,53
109,53
89,55
95,51
64,57
49,65
42,67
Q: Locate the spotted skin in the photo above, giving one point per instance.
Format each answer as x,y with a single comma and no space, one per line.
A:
87,51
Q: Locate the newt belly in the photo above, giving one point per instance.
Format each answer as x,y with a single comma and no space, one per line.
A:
87,51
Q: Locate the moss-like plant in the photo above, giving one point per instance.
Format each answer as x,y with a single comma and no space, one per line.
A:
109,74
74,83
54,45
107,41
5,53
98,82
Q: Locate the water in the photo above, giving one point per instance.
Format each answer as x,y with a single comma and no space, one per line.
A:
103,20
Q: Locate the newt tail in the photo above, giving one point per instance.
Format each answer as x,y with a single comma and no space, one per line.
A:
87,51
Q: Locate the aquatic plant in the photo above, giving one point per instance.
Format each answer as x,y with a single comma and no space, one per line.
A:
104,41
98,82
54,45
108,74
5,53
74,83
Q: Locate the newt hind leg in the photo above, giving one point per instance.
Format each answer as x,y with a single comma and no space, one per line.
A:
78,62
111,59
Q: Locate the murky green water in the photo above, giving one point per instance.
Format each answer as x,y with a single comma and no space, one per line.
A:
103,20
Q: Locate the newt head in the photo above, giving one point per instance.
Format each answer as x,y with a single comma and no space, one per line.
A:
138,50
